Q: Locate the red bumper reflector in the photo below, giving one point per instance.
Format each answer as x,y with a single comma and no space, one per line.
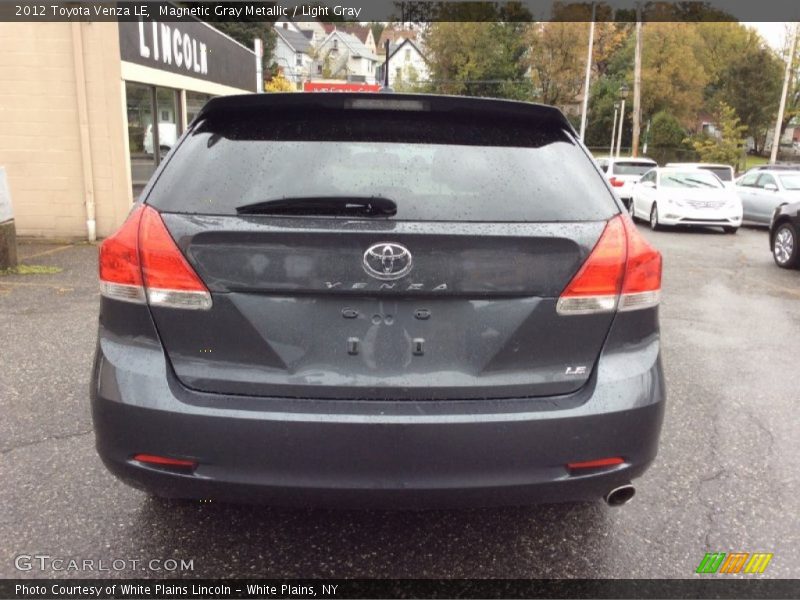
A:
152,459
596,464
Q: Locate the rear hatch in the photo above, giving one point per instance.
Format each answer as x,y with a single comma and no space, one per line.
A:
450,294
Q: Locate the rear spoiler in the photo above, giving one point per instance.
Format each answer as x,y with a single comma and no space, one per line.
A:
478,107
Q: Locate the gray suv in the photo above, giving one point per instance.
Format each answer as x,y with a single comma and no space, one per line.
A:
378,300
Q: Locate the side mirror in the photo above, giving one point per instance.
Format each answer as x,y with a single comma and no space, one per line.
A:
771,187
649,184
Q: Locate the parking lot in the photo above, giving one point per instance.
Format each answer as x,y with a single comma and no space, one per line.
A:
726,479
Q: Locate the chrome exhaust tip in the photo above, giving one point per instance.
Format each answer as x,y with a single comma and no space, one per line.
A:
620,495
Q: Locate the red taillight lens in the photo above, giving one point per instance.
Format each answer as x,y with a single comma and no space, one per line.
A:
168,277
120,274
165,461
623,270
595,464
141,261
616,182
642,285
597,284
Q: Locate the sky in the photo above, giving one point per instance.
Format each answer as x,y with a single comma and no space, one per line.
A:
773,33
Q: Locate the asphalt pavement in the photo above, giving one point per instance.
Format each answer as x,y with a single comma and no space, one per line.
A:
726,479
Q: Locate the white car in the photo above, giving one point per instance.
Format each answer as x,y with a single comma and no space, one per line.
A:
167,136
623,173
724,172
675,196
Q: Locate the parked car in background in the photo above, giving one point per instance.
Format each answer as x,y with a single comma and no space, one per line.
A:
167,136
768,167
675,196
313,335
763,190
622,173
724,172
784,235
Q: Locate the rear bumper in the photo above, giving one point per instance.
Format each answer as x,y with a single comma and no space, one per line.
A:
376,454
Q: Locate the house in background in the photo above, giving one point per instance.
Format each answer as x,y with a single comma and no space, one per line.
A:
342,55
396,35
408,66
362,32
294,52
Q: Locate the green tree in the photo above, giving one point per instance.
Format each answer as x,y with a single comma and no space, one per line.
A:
478,59
377,29
245,32
752,86
726,148
666,142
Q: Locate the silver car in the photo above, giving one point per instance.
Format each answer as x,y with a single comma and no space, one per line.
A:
762,191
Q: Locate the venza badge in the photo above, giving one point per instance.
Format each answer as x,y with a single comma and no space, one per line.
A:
387,261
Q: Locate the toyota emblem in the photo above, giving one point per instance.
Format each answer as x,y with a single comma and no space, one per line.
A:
387,261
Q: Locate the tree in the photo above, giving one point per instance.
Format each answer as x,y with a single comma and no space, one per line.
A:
673,78
478,59
377,29
279,83
743,71
557,60
245,32
666,141
726,148
752,86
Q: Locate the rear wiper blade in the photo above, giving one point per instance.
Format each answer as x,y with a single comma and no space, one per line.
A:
369,206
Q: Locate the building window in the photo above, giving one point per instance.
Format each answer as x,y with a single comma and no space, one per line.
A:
335,44
298,59
150,142
398,74
408,54
194,102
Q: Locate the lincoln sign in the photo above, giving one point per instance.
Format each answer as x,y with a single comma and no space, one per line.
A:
190,48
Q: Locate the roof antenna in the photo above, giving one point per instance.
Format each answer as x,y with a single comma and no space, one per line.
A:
386,87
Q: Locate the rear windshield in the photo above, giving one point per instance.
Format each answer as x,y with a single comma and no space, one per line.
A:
435,167
632,168
724,173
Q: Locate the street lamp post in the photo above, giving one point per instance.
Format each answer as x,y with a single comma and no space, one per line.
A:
623,94
613,131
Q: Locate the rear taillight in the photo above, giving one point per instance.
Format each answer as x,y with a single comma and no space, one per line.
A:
168,278
616,182
120,274
141,262
622,272
642,285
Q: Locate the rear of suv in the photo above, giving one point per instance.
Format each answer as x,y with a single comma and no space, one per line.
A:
378,300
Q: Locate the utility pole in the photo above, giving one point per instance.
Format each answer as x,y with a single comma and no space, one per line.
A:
587,80
776,139
637,83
